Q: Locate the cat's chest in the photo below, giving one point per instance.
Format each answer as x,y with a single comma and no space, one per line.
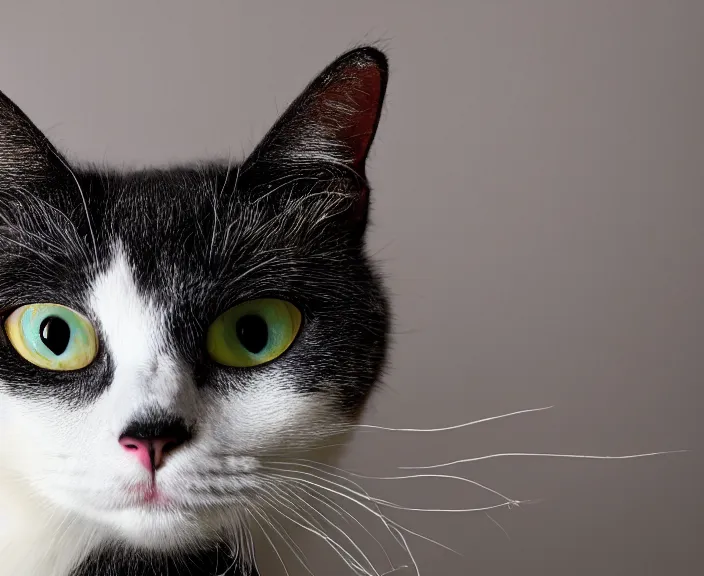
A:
118,562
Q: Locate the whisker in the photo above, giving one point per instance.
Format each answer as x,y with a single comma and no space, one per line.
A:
318,467
281,471
343,553
237,548
281,498
394,570
331,503
497,524
508,503
446,476
379,515
460,510
253,511
408,549
411,477
250,548
289,542
541,455
456,426
342,532
335,507
295,510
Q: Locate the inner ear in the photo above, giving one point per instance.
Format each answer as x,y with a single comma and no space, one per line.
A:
335,118
348,106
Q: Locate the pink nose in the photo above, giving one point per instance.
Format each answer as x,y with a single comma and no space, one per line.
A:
150,451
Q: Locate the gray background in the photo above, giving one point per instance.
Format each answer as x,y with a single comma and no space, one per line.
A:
538,204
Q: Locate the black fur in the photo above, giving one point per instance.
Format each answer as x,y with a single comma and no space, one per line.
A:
289,222
115,561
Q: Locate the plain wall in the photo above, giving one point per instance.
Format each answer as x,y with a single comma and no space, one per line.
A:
538,202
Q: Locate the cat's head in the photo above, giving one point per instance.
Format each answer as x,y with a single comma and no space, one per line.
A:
167,334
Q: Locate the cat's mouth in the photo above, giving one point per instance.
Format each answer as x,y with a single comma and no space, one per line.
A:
150,496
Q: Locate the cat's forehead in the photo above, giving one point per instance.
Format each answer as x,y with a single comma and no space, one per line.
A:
162,200
193,208
194,239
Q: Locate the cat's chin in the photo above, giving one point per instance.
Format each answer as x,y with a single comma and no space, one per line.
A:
164,529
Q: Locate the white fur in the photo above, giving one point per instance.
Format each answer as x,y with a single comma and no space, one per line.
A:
65,480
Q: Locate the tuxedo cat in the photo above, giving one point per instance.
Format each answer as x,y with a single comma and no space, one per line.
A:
167,333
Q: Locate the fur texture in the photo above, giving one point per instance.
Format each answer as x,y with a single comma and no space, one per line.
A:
151,259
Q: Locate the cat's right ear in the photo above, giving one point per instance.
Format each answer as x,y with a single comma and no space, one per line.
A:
26,156
334,119
329,128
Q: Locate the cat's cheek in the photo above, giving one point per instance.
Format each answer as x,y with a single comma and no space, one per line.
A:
66,455
33,435
271,413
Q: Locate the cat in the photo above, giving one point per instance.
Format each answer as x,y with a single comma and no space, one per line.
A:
166,332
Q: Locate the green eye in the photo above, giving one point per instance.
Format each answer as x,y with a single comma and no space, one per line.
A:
253,333
52,336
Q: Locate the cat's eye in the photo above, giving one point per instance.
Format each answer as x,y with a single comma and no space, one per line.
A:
52,336
253,332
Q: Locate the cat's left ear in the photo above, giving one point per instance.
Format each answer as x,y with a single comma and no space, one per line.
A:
332,124
26,155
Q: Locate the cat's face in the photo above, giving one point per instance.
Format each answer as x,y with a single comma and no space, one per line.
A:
164,431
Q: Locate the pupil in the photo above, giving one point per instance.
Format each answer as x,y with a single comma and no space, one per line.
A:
55,334
252,332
